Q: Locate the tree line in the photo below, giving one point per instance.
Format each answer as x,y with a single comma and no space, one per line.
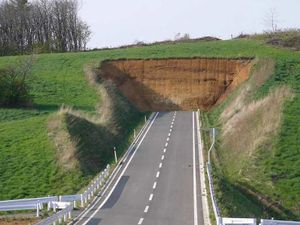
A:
42,26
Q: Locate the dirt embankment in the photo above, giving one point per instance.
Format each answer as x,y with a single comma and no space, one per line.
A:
176,84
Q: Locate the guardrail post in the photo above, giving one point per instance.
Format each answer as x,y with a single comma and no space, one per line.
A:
38,209
54,207
70,214
81,200
85,197
89,194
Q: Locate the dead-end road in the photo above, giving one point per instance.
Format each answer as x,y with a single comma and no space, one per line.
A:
158,182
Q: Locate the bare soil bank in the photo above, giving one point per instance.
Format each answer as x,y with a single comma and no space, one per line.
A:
176,84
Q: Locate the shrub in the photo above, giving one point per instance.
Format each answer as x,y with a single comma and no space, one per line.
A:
14,90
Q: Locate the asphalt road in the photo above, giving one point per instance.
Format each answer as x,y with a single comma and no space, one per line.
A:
158,183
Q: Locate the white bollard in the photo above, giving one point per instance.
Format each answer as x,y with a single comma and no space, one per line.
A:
59,220
75,206
70,215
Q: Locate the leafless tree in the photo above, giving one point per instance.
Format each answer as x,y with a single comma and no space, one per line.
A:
271,20
46,25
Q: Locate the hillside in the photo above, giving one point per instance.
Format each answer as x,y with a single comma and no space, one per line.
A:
30,149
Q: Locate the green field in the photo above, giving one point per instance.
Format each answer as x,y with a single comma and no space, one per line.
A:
28,164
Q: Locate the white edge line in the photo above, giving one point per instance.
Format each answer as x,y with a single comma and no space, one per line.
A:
194,175
109,194
205,207
113,175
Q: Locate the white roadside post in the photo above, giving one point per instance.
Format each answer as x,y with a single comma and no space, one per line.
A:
38,209
81,200
116,157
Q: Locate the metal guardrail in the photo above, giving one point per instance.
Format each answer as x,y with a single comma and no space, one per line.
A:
238,221
61,216
230,221
28,204
278,222
214,202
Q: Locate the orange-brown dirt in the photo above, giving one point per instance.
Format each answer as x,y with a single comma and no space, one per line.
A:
176,84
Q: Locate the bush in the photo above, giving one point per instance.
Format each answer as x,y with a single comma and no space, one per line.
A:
14,90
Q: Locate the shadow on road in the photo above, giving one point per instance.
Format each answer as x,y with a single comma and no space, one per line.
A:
116,193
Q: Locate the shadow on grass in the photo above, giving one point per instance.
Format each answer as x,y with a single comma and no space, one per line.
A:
236,200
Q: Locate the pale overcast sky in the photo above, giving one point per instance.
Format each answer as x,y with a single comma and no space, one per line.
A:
119,22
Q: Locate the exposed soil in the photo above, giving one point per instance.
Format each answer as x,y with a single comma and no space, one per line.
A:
176,84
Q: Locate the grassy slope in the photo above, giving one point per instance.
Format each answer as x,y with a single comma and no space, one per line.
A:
58,79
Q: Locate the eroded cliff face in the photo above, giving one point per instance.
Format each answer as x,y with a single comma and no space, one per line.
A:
176,84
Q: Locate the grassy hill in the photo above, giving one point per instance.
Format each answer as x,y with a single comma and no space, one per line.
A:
30,147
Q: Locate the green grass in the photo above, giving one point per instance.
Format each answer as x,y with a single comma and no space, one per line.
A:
27,161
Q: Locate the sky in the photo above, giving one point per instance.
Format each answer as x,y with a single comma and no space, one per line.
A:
120,22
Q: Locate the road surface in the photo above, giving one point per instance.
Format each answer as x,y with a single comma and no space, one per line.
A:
158,182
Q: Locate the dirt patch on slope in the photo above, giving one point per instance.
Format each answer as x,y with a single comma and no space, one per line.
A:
176,84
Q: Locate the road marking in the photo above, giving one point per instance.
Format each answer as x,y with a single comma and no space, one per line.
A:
168,139
157,174
166,144
109,194
141,221
160,165
169,134
162,157
113,175
172,122
150,197
194,175
171,129
146,209
154,185
165,150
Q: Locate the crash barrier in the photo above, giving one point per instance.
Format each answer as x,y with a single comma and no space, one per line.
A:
230,221
60,217
28,204
278,222
59,202
38,203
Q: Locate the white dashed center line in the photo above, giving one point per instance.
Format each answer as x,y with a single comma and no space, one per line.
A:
146,209
141,221
151,197
154,185
157,174
160,166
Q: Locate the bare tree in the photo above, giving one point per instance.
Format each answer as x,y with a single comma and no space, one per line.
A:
46,25
271,20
